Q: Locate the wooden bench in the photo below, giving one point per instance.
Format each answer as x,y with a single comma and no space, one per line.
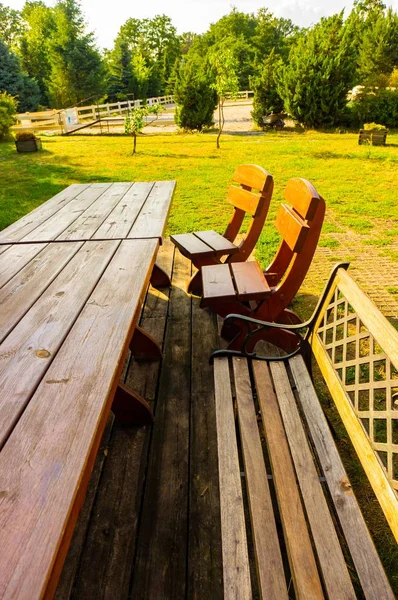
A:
306,528
243,288
209,247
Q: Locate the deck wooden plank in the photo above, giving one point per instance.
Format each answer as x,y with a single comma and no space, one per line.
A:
112,531
22,227
249,280
236,568
22,291
15,258
51,228
204,550
217,283
119,222
333,566
152,220
219,243
163,526
366,560
27,352
271,575
43,461
84,227
301,557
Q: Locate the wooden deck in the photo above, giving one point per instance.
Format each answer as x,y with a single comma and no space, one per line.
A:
149,528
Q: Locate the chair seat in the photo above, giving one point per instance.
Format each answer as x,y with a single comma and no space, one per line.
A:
201,244
242,281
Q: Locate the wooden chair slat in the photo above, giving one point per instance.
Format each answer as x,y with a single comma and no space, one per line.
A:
303,197
217,283
366,560
236,568
269,564
334,570
249,280
191,246
218,242
297,538
291,227
244,200
251,176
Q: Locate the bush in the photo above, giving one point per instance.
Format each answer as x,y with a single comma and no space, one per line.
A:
195,98
24,136
380,106
8,108
373,127
266,97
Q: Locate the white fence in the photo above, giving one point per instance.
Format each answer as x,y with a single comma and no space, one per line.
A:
53,119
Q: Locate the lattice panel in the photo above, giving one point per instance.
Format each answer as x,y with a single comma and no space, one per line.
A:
368,377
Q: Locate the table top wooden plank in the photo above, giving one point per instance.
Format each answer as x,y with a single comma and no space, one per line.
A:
15,258
85,226
43,460
20,293
58,222
29,349
120,221
18,230
152,220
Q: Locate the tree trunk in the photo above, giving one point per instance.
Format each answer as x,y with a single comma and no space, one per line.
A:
134,142
220,122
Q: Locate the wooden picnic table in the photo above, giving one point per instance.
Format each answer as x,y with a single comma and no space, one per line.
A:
69,312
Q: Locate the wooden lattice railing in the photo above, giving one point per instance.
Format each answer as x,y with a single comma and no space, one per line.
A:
357,350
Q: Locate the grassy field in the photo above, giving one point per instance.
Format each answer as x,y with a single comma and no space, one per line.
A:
358,183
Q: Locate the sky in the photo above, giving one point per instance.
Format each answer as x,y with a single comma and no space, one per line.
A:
105,17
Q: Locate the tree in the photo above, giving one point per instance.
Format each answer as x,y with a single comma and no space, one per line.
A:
265,86
120,68
77,70
195,97
226,81
8,108
15,82
34,48
318,74
135,122
11,25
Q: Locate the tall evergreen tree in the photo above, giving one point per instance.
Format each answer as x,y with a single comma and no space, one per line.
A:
77,70
196,99
318,74
15,82
265,85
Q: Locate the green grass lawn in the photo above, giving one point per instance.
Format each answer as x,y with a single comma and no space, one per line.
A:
359,184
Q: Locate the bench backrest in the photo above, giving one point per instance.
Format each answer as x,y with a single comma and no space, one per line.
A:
252,196
357,351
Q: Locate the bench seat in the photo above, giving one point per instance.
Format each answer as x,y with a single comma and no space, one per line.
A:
304,516
202,244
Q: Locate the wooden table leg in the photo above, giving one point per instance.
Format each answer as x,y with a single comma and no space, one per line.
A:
159,277
143,346
130,408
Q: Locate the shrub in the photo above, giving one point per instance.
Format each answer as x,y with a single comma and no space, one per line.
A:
24,136
195,98
266,97
373,127
380,106
8,108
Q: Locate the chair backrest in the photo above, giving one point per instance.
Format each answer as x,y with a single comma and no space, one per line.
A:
251,196
356,349
299,224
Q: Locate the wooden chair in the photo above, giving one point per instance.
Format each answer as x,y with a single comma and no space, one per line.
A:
211,248
244,289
